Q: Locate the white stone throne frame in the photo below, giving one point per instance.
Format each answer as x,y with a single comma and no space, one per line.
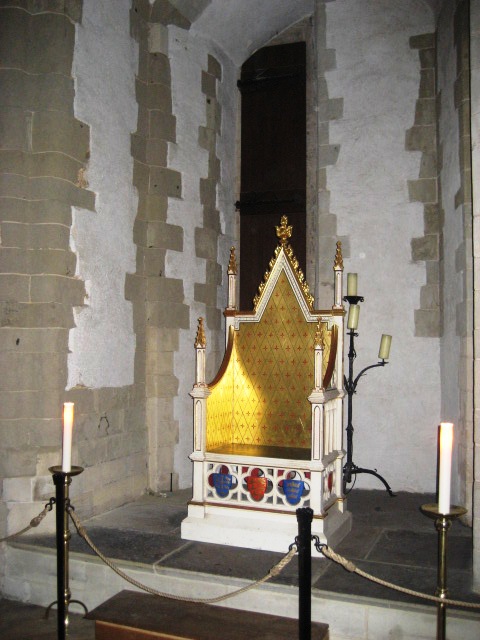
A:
235,514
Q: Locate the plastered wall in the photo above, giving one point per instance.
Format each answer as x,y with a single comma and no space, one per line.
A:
378,77
102,343
201,87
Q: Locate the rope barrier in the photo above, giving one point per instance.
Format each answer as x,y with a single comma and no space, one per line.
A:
274,571
352,568
34,522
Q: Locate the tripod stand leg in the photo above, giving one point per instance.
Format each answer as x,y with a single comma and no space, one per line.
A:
372,472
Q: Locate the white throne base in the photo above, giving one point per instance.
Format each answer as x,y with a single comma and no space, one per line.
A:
264,531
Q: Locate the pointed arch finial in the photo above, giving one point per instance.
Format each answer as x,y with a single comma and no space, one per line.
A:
200,340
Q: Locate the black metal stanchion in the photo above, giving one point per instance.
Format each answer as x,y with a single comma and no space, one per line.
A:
62,481
304,542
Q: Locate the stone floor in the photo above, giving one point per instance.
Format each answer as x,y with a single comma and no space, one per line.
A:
390,539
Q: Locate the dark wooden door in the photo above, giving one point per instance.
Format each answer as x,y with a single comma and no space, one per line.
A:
273,159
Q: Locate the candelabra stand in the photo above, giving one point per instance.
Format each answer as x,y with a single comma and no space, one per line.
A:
443,522
62,481
350,468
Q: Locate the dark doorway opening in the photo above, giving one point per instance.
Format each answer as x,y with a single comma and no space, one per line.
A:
273,158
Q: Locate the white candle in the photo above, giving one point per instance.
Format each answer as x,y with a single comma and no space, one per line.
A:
67,437
353,315
384,350
351,284
445,467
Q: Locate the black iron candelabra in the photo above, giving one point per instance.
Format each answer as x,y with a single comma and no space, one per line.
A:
350,469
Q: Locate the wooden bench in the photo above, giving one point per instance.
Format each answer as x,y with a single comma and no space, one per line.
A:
136,616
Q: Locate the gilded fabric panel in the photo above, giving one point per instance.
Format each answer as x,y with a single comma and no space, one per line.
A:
274,374
262,397
220,408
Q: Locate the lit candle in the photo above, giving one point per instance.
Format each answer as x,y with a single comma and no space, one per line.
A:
67,437
351,284
384,350
353,314
445,466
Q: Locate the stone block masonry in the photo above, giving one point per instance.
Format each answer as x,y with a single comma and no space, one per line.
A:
44,160
158,301
423,137
464,327
328,109
41,152
206,238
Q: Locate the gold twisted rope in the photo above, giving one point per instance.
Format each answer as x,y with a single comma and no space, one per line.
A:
274,571
350,566
34,522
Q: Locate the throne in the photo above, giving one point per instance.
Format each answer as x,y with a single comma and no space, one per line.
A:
268,428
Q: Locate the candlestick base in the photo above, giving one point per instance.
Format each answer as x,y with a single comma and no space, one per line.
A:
443,522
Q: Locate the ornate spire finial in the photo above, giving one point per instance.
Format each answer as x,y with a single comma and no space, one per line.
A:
200,340
232,263
338,264
320,335
284,231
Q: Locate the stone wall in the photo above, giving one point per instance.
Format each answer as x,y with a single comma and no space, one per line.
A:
43,149
159,309
464,263
475,132
204,95
371,194
329,109
46,154
456,263
179,229
422,137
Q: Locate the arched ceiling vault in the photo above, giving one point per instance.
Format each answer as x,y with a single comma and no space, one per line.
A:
240,27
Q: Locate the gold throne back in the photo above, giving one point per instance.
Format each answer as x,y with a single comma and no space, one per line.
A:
259,399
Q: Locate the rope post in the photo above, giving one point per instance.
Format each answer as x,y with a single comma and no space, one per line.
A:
62,480
304,542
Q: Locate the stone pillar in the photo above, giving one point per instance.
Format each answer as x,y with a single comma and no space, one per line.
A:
206,236
423,137
475,129
43,154
463,259
159,309
327,109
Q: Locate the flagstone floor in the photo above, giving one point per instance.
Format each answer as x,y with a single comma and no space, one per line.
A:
390,539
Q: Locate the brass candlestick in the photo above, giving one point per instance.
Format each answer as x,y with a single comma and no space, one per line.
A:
62,480
443,522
